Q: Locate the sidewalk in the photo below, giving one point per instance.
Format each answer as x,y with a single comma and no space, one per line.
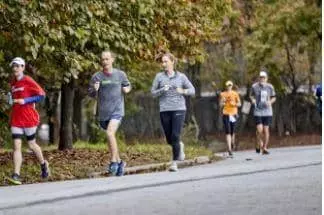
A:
246,162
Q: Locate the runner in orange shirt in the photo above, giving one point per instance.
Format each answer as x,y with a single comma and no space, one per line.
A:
230,101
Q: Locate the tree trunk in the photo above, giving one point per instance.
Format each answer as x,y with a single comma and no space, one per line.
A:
77,115
66,137
193,72
52,105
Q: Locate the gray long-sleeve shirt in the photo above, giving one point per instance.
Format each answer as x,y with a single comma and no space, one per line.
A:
171,100
110,95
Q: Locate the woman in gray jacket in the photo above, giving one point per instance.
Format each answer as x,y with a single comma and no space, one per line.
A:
170,87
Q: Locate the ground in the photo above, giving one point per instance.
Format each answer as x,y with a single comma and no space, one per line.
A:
288,181
88,158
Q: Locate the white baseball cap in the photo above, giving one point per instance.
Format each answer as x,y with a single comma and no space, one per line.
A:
17,60
263,74
229,83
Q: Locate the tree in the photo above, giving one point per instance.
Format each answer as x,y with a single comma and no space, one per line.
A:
62,39
286,41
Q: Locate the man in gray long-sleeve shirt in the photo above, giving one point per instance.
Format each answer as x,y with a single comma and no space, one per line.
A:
170,87
108,86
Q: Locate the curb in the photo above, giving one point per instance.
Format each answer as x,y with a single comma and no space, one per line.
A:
157,167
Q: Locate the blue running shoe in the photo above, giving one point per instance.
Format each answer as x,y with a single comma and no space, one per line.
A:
121,168
113,168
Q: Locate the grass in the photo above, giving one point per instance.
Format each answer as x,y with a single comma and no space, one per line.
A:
87,158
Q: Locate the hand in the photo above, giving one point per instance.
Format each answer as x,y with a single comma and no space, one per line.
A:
19,101
253,101
181,90
96,85
269,103
126,89
166,87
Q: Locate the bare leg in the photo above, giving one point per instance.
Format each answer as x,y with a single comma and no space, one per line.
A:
111,135
37,150
17,156
266,136
233,142
259,135
229,142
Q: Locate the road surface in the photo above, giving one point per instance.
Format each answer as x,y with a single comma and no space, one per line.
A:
288,181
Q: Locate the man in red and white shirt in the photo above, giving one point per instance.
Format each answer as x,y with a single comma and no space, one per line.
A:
24,117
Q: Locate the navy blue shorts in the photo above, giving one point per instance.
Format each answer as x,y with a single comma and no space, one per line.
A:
263,120
104,124
229,126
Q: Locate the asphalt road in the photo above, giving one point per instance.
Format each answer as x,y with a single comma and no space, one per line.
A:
288,181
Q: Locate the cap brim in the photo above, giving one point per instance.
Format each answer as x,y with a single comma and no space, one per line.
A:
17,63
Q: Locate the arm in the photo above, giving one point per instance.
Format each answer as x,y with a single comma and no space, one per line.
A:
127,89
252,96
319,93
92,89
156,90
239,104
126,86
35,90
272,100
34,99
221,100
188,89
272,96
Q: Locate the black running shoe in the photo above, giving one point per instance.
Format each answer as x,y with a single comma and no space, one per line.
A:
257,150
230,154
265,152
45,170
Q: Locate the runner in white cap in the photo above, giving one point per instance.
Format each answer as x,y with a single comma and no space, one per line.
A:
24,118
262,97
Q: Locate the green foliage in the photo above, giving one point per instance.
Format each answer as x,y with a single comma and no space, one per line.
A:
63,38
285,40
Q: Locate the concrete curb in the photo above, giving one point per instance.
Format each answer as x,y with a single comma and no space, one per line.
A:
157,167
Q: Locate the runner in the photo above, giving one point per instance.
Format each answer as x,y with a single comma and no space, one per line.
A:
108,87
230,101
24,117
262,97
318,94
170,86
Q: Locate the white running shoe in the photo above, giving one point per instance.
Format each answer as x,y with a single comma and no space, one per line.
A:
182,155
173,167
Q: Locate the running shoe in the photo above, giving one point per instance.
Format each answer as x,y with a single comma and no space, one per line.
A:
45,170
113,168
15,179
230,154
121,168
173,167
265,152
